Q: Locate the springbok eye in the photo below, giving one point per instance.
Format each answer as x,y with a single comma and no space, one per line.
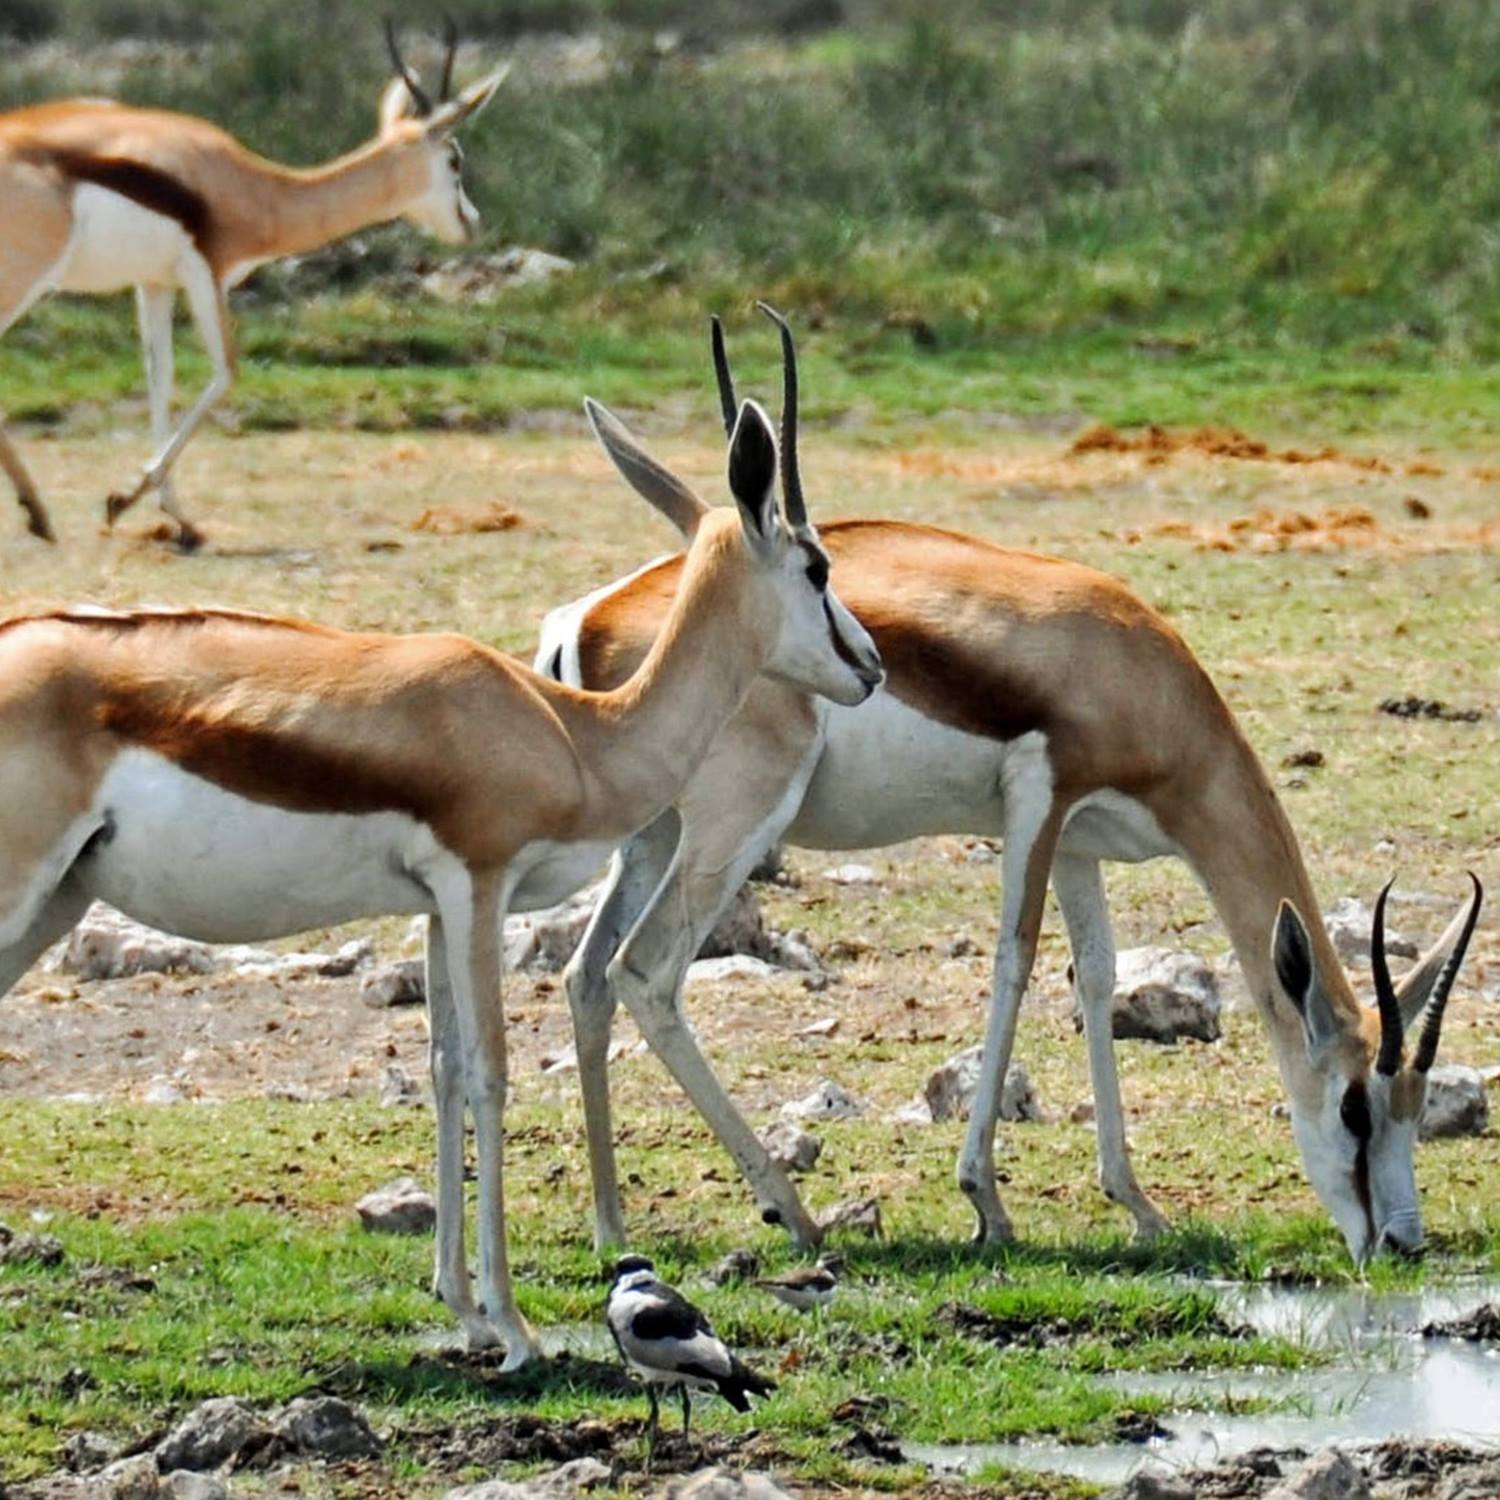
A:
1354,1112
817,573
455,156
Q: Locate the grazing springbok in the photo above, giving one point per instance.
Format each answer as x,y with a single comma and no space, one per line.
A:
230,777
1039,701
100,196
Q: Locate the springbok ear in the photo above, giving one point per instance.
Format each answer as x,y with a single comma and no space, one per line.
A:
1296,971
752,472
446,118
396,105
653,483
1416,986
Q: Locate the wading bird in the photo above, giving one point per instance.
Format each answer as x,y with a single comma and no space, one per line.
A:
667,1342
1041,702
233,777
100,196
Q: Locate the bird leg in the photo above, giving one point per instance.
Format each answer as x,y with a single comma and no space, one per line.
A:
652,1425
687,1409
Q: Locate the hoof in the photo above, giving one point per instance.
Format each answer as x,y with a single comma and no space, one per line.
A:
115,506
36,520
189,539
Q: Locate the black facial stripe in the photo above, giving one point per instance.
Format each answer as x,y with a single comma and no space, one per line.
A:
1354,1112
840,645
817,567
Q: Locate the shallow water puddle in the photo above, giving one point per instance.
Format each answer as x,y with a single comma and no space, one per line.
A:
1386,1382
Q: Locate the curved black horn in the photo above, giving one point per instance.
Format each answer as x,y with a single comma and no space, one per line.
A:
1432,1025
450,42
729,408
791,475
419,95
1388,1061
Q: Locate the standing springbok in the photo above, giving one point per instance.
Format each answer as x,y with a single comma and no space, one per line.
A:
1042,702
232,777
100,196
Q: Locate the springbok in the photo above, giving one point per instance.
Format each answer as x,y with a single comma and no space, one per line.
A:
232,776
1040,701
100,196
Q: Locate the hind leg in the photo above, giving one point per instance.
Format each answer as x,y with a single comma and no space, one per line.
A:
57,916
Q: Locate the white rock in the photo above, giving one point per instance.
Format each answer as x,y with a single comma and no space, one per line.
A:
327,1426
827,1101
400,1207
1349,922
1456,1103
183,1484
162,1091
856,1213
401,983
1162,995
791,1147
733,966
134,1478
398,1087
563,1483
1327,1475
825,1027
851,875
211,1434
480,279
725,1484
948,1093
542,942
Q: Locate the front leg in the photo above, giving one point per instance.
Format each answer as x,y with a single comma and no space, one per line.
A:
445,1060
635,872
472,930
1080,892
647,978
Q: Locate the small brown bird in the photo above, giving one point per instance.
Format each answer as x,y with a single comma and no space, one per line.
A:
806,1287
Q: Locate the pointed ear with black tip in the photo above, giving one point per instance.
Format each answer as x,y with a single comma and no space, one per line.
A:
656,485
752,474
1296,971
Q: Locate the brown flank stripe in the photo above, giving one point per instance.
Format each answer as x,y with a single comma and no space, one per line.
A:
148,186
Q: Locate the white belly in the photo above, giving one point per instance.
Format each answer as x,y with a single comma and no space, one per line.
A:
116,243
546,872
887,773
189,857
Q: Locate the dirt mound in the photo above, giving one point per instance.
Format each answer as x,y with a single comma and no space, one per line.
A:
1336,528
453,520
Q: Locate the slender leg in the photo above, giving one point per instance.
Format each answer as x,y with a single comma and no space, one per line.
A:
211,314
153,309
687,1410
635,873
57,916
652,1424
1032,822
445,1059
647,977
1079,885
15,299
472,930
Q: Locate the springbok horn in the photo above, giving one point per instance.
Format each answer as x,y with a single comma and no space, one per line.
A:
419,95
450,41
791,476
1391,1031
1432,1023
728,406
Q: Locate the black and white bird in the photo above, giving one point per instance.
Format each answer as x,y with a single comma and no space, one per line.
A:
666,1341
806,1287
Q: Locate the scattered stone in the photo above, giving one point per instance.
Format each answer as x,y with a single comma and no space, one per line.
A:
480,279
1456,1103
183,1484
400,1207
1083,1112
857,1213
1476,1484
398,1087
31,1249
542,942
1310,758
220,1430
1413,707
732,966
86,1450
826,1027
851,875
948,1093
725,1484
791,1147
163,1091
1162,995
962,946
738,1265
572,1478
873,1446
401,983
827,1101
134,1478
1148,1486
1349,922
1327,1475
328,1427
